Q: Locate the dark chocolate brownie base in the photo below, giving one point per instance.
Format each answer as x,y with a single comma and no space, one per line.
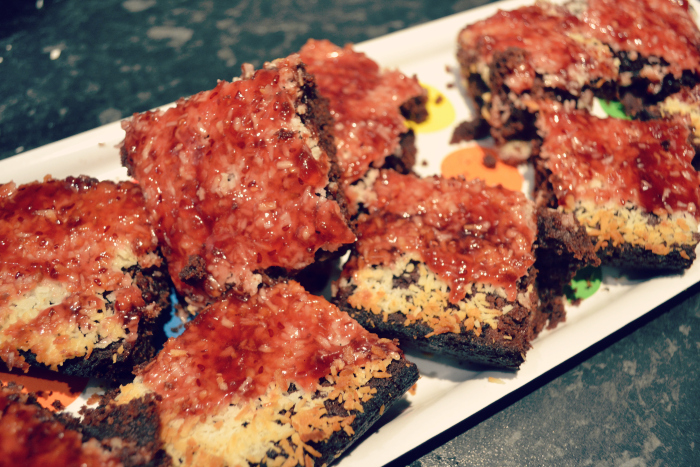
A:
504,347
515,120
126,432
483,350
415,109
563,247
470,130
640,85
638,258
405,158
136,424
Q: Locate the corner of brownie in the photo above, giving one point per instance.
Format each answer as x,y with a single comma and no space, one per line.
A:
369,108
415,108
563,247
135,424
33,435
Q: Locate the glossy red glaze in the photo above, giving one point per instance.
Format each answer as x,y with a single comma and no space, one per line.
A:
364,101
71,232
230,175
463,231
620,161
659,28
234,349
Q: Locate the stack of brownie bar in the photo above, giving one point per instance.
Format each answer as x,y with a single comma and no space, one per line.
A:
631,184
238,189
617,50
242,187
245,191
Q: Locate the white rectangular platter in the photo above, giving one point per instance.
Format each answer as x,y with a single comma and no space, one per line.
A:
446,393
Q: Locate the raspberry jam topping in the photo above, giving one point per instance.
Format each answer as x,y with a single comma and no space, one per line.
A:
659,28
620,161
234,178
74,235
364,101
464,232
235,349
554,45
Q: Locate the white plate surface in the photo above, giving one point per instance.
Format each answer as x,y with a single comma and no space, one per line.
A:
446,393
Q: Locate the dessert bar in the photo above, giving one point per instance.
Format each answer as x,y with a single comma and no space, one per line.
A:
631,184
240,181
611,49
512,60
449,266
82,282
282,378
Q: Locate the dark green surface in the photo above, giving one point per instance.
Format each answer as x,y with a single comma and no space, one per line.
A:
630,401
116,60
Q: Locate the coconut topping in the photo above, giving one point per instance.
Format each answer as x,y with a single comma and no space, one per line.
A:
364,102
63,247
611,160
232,352
235,180
465,232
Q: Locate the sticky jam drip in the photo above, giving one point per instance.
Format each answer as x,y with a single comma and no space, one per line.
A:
235,349
364,101
620,161
464,232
